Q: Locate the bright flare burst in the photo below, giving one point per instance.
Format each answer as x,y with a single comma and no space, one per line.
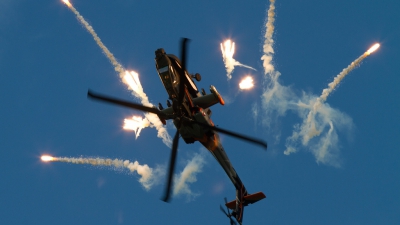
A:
373,48
131,78
67,3
137,123
228,49
246,83
47,158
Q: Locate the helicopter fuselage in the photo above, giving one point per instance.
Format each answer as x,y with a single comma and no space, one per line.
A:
195,106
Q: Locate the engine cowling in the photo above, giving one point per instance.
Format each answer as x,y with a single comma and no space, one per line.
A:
210,99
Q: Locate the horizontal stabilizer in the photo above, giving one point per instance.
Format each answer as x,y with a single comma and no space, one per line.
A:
248,199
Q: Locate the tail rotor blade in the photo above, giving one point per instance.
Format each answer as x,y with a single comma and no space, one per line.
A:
227,213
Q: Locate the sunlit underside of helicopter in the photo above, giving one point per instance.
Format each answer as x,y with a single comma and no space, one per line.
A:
195,105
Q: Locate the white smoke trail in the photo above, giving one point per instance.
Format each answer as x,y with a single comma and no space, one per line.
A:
146,173
276,99
117,66
320,122
309,124
126,77
149,177
340,76
321,118
228,49
320,136
269,42
188,175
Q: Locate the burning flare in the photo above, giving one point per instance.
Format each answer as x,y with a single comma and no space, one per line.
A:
246,83
137,123
67,3
47,158
228,49
373,48
131,78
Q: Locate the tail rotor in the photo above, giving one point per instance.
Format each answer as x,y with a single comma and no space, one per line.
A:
228,213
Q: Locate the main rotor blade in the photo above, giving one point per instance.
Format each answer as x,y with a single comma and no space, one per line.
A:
174,152
234,134
120,102
181,93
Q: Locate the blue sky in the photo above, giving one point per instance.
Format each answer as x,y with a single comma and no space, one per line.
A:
48,61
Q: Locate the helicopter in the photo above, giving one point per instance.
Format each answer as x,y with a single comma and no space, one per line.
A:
189,109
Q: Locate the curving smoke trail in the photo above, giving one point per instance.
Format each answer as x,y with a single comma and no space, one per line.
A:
318,132
321,117
228,49
310,122
130,78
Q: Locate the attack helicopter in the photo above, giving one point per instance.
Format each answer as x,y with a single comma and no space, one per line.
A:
190,112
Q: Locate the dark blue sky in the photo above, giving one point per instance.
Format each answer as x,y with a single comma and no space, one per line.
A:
48,61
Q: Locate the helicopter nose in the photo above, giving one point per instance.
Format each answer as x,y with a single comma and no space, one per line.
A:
159,52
